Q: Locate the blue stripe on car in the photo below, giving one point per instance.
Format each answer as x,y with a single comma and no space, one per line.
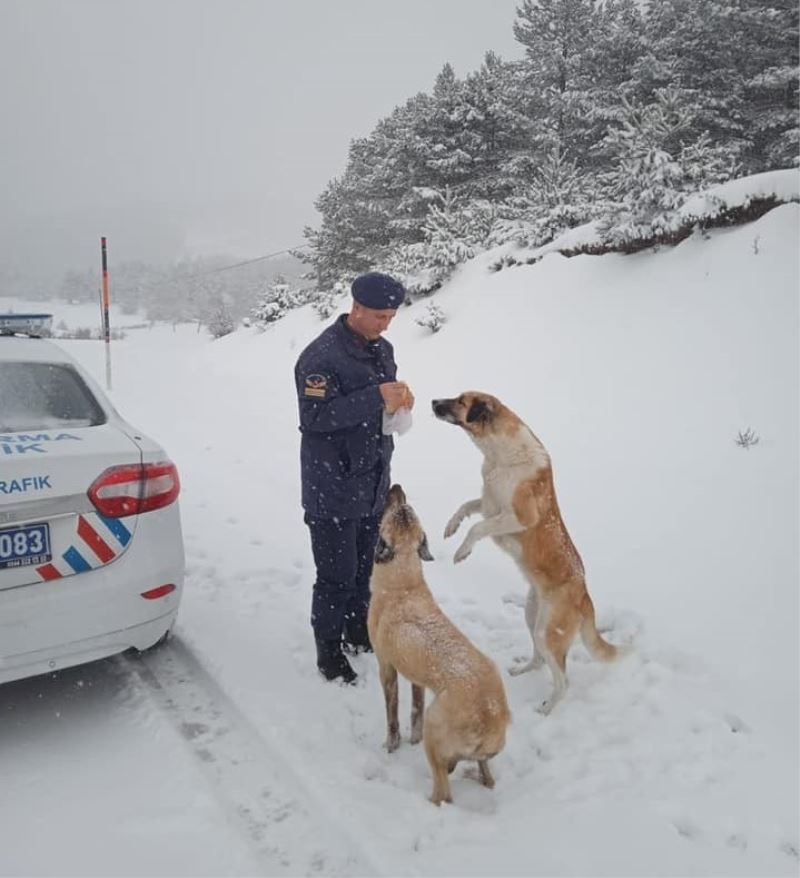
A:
117,528
75,560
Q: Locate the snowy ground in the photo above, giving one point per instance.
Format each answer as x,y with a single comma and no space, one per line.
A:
226,754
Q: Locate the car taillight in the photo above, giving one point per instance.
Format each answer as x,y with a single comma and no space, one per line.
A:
159,591
132,489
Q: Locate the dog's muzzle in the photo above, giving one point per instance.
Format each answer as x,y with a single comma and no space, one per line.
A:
442,409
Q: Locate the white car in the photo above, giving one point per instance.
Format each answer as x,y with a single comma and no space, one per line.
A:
91,549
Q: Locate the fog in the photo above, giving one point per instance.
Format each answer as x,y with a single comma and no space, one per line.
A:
189,127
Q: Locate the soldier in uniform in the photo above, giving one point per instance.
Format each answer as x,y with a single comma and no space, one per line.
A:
346,382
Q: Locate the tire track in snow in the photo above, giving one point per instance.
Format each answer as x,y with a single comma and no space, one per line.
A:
268,794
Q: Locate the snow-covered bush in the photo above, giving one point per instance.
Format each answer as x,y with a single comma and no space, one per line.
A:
220,321
558,198
433,318
276,301
747,438
454,230
328,302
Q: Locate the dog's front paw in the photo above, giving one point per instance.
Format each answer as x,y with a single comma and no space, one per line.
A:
463,551
545,708
392,742
453,525
522,667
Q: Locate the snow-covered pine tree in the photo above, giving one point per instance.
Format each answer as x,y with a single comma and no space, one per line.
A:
277,300
729,66
658,159
340,245
433,318
373,206
444,135
559,197
618,47
499,128
557,36
714,54
770,80
453,230
327,303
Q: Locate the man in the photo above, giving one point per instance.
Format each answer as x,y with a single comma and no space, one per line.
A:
345,383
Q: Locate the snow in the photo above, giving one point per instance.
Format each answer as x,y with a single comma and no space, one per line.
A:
75,315
783,185
227,754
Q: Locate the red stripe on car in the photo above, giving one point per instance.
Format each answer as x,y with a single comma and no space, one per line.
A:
95,542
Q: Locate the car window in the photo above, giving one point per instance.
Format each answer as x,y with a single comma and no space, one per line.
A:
36,396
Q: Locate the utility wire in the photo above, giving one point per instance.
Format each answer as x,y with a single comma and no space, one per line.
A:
238,264
159,283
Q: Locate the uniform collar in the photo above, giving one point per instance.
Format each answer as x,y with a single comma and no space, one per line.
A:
356,343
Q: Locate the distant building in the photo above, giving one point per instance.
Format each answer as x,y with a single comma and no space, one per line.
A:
32,323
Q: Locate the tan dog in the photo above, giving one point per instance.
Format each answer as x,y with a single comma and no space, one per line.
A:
410,634
521,514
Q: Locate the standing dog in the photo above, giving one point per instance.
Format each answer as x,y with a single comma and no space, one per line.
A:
521,514
410,634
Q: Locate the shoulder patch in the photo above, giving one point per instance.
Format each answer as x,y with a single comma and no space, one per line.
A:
316,385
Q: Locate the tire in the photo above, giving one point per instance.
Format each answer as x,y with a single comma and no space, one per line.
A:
159,643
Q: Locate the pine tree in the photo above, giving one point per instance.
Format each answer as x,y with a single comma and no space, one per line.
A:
659,159
615,64
327,303
433,318
340,247
277,300
559,197
557,36
454,230
733,65
770,79
499,128
612,105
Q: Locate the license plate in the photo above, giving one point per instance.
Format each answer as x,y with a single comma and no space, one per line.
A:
24,545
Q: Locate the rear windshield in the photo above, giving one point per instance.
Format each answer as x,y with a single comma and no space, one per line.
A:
36,396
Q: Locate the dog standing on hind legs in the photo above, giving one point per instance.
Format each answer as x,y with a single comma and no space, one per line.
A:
410,635
521,514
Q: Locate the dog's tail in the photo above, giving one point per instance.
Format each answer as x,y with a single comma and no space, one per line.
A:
599,649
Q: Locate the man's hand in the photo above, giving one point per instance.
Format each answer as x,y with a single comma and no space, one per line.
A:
395,395
408,403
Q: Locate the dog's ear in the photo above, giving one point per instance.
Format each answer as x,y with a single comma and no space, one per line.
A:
397,494
478,411
423,551
383,551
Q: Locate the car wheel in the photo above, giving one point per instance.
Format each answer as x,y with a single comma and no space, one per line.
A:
159,643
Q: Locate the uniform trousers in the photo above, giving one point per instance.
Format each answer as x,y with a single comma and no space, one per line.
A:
343,549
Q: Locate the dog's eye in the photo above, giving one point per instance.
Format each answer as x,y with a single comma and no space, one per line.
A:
460,400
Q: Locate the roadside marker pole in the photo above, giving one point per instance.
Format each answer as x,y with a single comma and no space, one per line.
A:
104,308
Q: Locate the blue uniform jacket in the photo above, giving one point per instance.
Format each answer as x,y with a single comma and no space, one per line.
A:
344,456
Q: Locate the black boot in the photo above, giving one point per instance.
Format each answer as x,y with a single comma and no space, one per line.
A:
332,662
356,636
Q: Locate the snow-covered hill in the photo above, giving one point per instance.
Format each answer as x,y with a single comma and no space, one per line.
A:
638,373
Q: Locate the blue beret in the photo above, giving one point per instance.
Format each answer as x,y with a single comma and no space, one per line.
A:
378,291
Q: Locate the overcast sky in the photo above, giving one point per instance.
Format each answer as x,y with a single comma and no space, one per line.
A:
179,126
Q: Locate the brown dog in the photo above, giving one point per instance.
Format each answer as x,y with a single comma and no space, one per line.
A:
521,514
410,634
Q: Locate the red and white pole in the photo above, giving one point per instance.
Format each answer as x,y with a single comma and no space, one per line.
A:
104,307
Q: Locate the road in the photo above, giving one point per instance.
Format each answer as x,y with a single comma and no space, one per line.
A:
160,725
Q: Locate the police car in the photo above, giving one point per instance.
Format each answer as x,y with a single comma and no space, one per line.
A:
91,550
